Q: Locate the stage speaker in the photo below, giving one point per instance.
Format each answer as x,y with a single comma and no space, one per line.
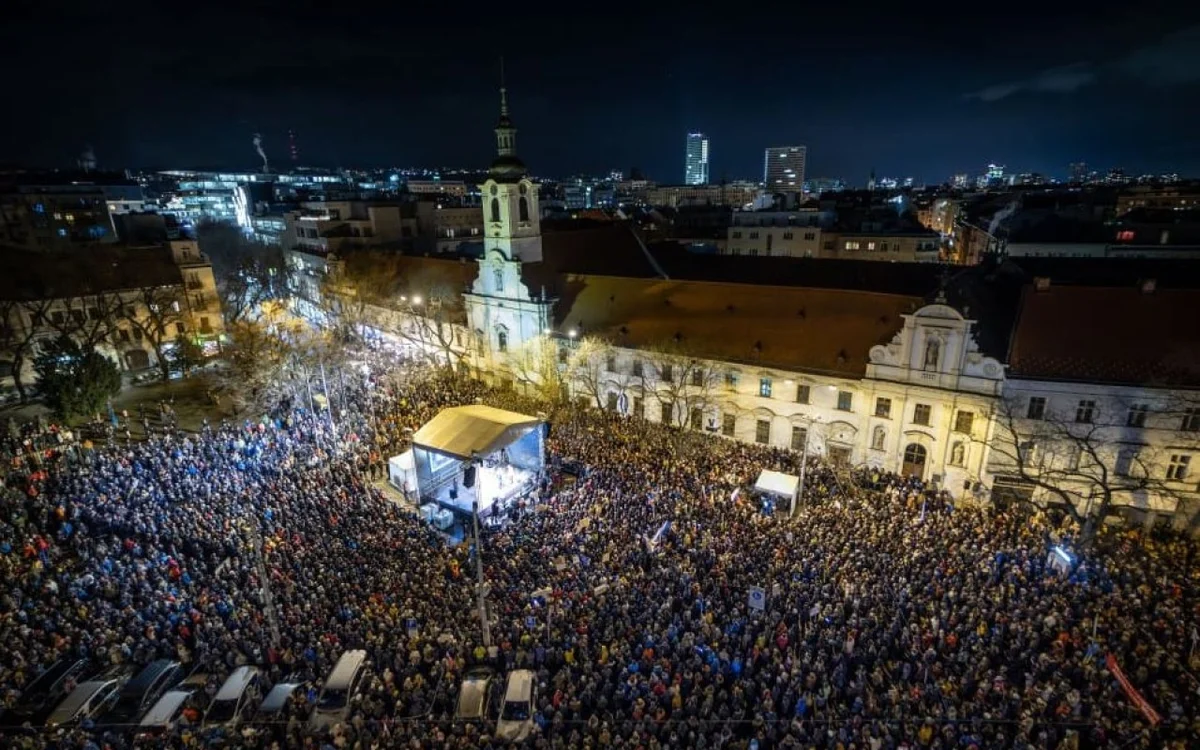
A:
469,477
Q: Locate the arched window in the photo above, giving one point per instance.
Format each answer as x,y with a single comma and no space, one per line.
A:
501,340
957,454
495,210
523,207
877,438
933,352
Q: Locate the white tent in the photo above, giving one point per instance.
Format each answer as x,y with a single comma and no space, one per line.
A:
402,472
476,430
779,484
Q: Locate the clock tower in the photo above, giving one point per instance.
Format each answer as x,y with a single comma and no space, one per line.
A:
504,312
510,201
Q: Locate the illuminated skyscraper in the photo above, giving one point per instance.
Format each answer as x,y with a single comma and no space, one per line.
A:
783,168
696,166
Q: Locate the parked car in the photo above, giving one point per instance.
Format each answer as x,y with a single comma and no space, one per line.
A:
520,701
140,693
475,694
168,710
236,700
333,703
46,691
89,699
276,706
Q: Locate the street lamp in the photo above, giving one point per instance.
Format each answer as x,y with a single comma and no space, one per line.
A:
572,333
416,300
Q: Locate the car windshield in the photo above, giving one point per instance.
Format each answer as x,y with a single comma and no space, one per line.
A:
516,711
222,711
332,699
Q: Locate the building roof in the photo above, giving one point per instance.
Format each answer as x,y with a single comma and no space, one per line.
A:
30,275
795,328
475,430
1108,334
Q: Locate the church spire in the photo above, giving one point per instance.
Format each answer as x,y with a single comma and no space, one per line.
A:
506,166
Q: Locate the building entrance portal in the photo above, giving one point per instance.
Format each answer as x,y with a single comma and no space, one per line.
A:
914,461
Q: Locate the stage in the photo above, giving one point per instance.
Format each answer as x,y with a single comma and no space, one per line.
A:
477,456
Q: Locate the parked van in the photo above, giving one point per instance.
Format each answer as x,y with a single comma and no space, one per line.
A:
333,704
474,695
520,701
140,693
236,700
45,692
88,699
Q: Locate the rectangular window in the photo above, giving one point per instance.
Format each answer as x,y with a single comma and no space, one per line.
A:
731,380
696,419
1125,459
1137,415
122,335
921,414
666,410
639,407
799,438
802,394
883,408
754,235
764,387
787,235
810,236
963,421
870,245
1086,411
137,334
610,363
851,245
1191,420
637,367
698,377
668,373
728,422
180,329
762,431
563,355
845,400
1177,471
610,401
737,235
1037,408
58,317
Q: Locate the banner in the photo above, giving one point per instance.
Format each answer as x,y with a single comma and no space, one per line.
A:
1142,705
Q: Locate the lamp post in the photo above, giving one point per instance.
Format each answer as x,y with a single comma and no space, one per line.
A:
480,587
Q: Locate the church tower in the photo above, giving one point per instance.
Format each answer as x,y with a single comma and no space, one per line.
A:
510,201
503,312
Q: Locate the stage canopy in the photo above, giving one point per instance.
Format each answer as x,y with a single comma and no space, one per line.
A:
476,430
777,483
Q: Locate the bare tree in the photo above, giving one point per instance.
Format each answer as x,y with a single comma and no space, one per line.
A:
432,317
366,283
1088,454
21,324
541,366
156,314
688,384
247,273
90,320
253,364
591,365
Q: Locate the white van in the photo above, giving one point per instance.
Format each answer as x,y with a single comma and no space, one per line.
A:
520,701
239,694
333,704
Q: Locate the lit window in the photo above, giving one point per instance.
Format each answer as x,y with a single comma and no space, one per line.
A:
764,387
883,408
870,245
851,245
845,400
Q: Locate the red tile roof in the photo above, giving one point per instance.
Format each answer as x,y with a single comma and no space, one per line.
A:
794,328
1108,334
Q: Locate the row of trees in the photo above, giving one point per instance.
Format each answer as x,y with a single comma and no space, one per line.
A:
150,317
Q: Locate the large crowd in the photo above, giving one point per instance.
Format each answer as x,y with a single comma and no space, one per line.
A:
893,618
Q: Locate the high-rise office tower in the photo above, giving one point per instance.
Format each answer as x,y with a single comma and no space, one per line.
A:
783,168
696,167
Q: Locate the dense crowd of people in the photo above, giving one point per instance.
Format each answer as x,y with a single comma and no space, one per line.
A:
892,618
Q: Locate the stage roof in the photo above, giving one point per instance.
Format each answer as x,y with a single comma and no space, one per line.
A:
476,430
777,483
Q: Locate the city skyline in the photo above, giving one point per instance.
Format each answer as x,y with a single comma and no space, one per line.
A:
1113,90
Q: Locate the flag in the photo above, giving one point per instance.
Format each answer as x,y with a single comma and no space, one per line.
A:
1138,700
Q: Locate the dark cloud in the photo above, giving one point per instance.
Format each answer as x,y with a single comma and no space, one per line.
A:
1060,80
1172,61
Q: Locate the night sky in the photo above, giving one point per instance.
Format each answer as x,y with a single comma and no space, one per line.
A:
909,89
